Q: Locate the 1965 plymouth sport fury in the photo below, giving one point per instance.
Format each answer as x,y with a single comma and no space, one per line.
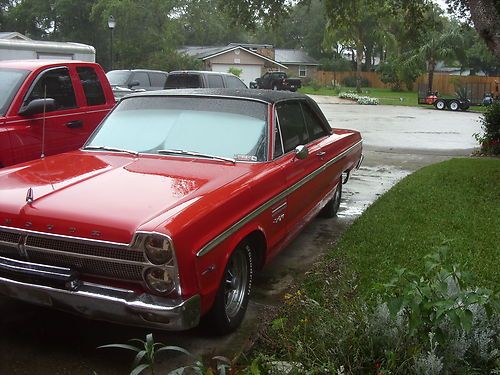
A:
171,206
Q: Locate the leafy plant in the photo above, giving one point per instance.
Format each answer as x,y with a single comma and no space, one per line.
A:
438,294
490,139
146,352
235,71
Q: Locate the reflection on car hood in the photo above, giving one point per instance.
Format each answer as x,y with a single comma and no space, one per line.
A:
99,194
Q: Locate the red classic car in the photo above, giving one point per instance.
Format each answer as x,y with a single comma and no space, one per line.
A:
171,206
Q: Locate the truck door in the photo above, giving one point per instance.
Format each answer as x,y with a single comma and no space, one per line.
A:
56,131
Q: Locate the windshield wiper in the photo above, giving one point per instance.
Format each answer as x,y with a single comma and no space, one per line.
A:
196,154
106,148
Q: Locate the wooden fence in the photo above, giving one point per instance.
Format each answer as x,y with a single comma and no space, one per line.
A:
443,83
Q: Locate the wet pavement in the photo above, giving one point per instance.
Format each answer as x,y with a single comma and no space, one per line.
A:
397,142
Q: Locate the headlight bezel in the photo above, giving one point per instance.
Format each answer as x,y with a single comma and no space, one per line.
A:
170,265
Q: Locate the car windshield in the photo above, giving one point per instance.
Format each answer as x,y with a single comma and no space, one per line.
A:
117,77
220,127
11,81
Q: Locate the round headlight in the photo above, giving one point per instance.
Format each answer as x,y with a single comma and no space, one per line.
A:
158,250
159,280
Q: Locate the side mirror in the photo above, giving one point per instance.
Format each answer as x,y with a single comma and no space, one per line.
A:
38,106
133,84
301,152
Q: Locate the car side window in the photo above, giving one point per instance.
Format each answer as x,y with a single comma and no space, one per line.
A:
313,124
293,128
55,84
234,83
91,85
215,81
278,145
181,81
142,78
157,79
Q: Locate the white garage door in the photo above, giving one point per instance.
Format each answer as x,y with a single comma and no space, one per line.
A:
248,74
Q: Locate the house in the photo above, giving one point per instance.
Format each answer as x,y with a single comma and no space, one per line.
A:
298,62
253,59
15,46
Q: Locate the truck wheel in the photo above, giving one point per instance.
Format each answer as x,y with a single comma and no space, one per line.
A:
332,207
440,104
233,295
454,105
275,88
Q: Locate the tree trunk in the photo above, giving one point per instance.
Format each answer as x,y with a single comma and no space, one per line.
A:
486,17
359,58
431,68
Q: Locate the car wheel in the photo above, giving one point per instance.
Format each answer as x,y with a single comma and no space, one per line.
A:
275,88
332,207
440,104
454,105
233,294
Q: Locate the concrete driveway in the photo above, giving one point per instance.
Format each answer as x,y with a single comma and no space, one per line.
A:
398,140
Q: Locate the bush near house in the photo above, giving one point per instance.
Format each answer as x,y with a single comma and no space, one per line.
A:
490,139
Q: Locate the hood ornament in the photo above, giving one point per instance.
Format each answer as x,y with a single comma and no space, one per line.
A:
29,195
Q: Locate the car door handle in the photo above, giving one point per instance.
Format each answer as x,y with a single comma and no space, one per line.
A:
321,153
74,124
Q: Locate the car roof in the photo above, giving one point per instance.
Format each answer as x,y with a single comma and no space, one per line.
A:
269,96
35,64
200,72
138,70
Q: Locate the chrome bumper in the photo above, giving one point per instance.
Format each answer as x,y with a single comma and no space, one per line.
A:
58,288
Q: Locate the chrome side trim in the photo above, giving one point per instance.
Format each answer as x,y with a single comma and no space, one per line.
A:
252,215
279,208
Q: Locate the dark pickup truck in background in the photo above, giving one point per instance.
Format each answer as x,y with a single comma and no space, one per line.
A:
277,81
48,107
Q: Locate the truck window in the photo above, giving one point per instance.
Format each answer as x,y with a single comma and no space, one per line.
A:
91,85
234,83
215,81
142,78
11,81
183,81
157,79
55,84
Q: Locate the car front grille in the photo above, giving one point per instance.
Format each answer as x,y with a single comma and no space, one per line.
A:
89,258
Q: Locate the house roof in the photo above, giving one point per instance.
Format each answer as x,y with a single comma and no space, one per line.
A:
13,35
294,56
205,53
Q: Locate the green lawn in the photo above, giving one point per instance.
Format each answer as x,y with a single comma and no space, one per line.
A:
457,202
335,321
385,96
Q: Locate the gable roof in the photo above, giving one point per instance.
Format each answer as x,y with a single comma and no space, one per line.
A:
13,35
205,53
294,56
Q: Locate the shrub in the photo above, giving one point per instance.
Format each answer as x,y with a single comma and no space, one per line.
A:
433,323
360,99
490,139
235,71
351,82
315,85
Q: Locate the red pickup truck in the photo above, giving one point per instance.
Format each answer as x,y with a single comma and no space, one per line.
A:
49,107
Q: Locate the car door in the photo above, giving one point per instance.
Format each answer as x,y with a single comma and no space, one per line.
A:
303,178
95,106
140,81
55,131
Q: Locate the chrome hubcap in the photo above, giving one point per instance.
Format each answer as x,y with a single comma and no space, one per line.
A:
235,283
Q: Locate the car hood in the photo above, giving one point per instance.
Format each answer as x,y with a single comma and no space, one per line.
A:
105,196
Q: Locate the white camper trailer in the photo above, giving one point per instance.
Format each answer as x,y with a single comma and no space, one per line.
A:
15,46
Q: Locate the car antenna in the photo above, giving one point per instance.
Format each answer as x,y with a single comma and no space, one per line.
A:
42,155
